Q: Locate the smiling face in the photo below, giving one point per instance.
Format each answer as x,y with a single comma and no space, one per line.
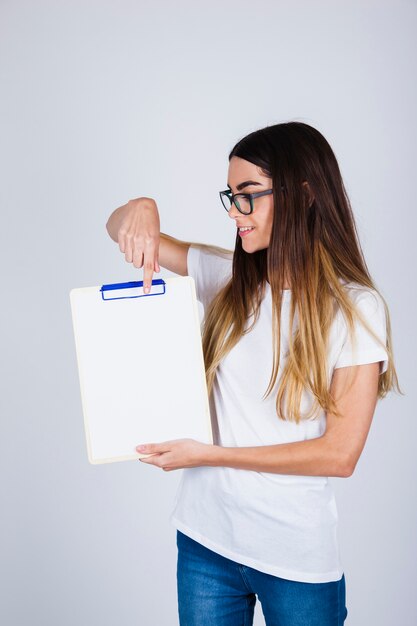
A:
245,177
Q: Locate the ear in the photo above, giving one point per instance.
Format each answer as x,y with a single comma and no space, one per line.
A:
308,193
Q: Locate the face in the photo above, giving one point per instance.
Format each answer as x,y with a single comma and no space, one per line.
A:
242,171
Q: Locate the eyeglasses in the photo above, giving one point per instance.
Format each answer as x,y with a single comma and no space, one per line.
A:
242,201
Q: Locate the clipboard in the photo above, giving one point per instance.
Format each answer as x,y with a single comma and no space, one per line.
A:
141,366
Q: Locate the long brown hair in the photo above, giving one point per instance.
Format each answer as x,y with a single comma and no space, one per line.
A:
314,242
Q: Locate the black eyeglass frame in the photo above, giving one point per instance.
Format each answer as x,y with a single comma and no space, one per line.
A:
251,197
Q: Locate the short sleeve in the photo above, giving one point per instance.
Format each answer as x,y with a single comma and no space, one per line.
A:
210,269
368,350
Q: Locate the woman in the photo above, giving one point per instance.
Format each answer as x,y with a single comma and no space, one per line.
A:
255,514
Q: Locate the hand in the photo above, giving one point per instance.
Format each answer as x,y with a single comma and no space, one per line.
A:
176,454
139,235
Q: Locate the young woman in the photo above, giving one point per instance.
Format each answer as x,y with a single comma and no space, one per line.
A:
297,348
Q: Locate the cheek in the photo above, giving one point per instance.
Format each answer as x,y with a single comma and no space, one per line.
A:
267,226
269,217
266,218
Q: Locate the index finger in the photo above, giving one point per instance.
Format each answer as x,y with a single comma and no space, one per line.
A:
148,268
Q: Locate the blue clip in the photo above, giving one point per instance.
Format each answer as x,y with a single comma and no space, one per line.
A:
132,285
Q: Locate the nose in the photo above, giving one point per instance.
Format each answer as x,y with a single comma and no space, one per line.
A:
233,213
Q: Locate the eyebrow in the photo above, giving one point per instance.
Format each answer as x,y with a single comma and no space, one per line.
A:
241,186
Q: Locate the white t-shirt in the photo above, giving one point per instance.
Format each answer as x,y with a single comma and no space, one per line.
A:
281,524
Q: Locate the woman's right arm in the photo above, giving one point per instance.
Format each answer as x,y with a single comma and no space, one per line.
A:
135,227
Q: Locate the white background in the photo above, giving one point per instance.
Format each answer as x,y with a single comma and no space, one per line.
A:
102,101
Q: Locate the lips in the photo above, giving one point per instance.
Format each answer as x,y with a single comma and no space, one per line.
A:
245,233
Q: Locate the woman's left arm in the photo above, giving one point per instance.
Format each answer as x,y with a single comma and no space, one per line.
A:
335,453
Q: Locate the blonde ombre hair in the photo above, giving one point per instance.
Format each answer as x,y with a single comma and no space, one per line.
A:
314,242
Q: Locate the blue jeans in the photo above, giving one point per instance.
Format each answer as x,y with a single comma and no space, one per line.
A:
216,591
